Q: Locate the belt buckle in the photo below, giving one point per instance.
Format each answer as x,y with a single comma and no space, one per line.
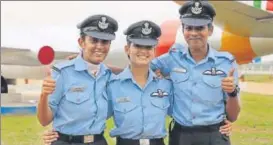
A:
144,142
88,139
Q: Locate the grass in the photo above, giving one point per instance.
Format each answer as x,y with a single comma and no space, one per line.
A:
21,130
259,78
254,126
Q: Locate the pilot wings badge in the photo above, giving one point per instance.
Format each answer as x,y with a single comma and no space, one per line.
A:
159,93
213,72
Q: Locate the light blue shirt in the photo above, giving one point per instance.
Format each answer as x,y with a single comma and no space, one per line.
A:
79,102
139,113
198,95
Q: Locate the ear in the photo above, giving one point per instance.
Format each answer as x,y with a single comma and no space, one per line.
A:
126,49
155,48
81,42
154,51
182,27
211,30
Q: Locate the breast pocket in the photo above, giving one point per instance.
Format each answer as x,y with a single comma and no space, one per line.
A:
124,107
159,110
77,97
123,112
161,103
180,81
212,89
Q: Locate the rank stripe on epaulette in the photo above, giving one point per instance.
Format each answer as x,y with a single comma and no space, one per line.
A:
56,69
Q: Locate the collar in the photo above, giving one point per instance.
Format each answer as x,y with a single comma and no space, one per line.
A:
127,74
81,65
210,54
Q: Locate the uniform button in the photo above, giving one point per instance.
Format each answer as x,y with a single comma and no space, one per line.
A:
78,100
194,84
193,117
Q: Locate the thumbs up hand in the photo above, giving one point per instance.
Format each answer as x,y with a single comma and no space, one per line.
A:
228,83
48,85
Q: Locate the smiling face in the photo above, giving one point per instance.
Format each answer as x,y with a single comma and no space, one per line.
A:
197,36
140,55
94,50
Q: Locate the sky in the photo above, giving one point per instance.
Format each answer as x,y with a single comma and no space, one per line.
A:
34,24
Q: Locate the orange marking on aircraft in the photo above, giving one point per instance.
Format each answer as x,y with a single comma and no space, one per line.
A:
238,46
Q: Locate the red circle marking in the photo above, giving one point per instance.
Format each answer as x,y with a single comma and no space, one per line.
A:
46,55
168,35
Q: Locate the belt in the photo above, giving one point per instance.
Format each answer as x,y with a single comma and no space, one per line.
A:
206,128
155,141
80,138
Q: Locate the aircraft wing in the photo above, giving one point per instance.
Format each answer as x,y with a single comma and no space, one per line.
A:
26,57
242,19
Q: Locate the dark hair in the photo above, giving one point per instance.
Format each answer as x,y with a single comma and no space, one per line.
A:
82,35
129,45
210,25
129,42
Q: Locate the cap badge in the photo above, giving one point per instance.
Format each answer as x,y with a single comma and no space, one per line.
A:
146,30
196,8
102,24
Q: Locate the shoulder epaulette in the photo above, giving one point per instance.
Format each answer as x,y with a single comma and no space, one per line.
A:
59,66
176,48
225,55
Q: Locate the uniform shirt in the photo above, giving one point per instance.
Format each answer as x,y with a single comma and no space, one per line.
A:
198,95
139,113
79,103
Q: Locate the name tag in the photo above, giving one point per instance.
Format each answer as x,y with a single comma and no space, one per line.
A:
123,100
180,70
77,89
